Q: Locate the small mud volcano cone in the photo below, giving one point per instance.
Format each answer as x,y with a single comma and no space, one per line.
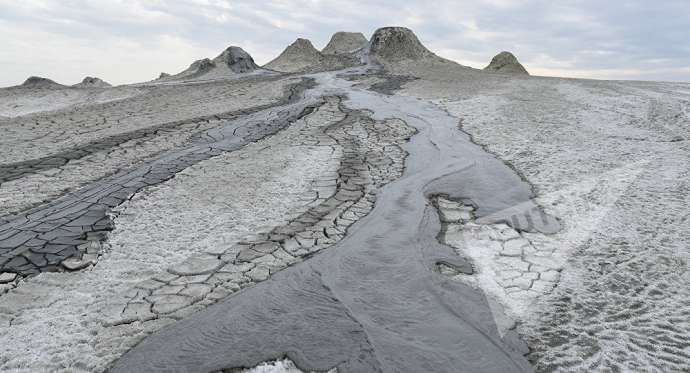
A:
506,63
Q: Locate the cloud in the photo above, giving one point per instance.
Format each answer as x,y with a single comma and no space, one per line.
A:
133,40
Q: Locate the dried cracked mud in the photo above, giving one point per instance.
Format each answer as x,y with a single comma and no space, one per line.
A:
406,215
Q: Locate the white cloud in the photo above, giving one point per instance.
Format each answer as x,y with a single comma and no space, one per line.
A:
132,40
68,60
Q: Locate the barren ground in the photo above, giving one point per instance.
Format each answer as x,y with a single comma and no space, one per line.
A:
367,221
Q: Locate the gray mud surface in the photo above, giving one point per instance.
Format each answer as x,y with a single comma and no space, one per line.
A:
391,83
42,238
395,216
375,301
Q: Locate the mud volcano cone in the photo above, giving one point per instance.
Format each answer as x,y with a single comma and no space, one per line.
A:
345,42
394,44
92,82
236,59
298,56
506,63
38,82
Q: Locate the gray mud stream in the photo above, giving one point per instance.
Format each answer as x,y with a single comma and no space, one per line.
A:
375,301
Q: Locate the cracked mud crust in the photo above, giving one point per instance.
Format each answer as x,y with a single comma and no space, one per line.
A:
366,153
369,156
355,286
42,238
39,135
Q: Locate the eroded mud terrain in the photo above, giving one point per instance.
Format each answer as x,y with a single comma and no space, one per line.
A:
611,160
406,215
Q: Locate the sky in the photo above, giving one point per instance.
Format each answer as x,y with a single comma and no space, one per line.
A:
126,41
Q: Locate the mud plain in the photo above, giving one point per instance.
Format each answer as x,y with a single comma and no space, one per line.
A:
407,211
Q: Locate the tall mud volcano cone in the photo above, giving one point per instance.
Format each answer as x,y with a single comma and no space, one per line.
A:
345,42
38,82
506,63
298,56
236,59
393,44
91,82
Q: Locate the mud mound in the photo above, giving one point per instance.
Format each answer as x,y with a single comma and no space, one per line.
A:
506,63
298,56
232,61
236,59
301,56
399,52
201,66
92,82
345,42
195,70
394,44
38,82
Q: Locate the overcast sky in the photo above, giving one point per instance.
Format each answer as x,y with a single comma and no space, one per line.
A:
124,41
